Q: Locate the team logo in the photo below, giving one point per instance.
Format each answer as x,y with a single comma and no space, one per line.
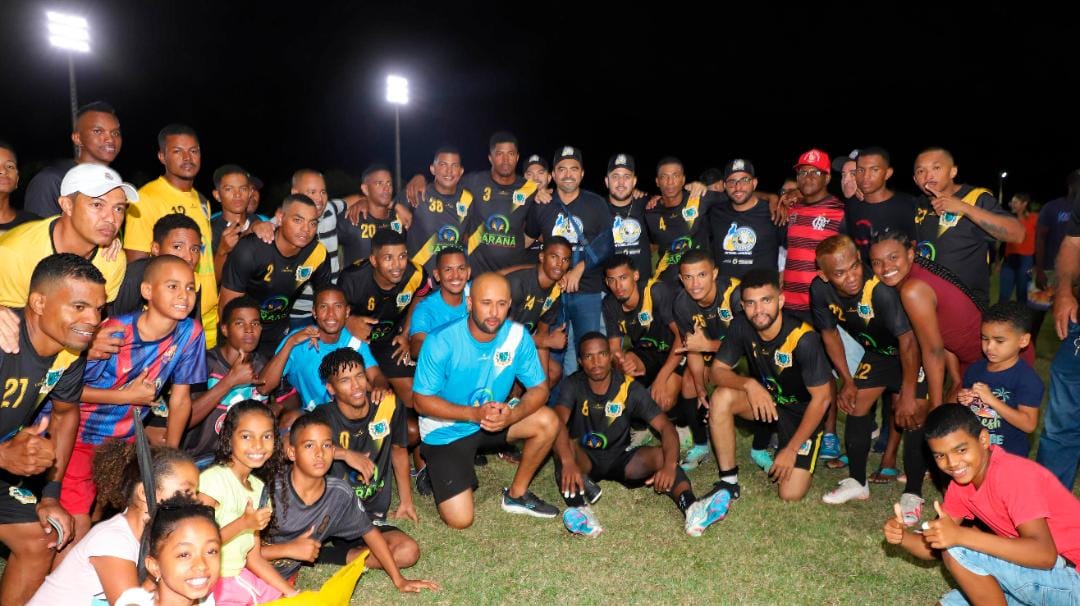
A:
22,495
503,358
689,213
303,273
626,232
379,430
594,441
381,330
564,227
782,359
620,160
805,448
480,397
725,314
926,250
274,309
396,225
462,209
168,355
160,408
567,151
948,220
644,317
498,224
613,410
518,198
866,311
448,234
548,302
403,299
651,343
51,379
681,245
819,223
739,239
738,166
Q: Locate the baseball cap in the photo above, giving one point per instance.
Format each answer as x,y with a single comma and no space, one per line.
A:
95,180
568,152
622,161
738,165
816,158
839,161
537,159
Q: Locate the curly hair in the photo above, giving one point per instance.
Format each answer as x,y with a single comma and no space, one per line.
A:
166,517
937,269
116,470
273,468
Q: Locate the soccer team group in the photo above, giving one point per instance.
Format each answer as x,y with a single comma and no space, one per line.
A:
290,371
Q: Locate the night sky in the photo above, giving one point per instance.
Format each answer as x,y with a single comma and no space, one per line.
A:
275,90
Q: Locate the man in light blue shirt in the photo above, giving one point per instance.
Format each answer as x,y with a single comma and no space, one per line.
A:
448,304
302,366
463,379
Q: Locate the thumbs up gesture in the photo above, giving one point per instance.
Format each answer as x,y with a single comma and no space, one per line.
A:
29,452
306,547
943,532
894,527
256,519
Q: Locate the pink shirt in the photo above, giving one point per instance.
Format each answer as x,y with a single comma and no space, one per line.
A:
75,581
1017,490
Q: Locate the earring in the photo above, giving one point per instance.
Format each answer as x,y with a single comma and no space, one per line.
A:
157,580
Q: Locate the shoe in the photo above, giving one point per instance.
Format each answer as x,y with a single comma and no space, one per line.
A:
423,482
849,490
732,489
479,460
830,447
510,454
592,489
762,459
686,441
582,520
694,457
705,512
911,508
640,437
528,504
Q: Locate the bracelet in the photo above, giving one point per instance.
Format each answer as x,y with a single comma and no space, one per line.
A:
51,490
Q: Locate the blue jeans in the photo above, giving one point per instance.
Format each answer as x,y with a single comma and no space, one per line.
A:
1014,276
1022,585
582,313
1059,444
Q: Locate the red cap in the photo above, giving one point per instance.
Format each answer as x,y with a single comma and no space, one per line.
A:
816,158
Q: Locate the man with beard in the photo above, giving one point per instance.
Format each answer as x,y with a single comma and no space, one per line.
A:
677,224
879,208
463,380
628,214
955,224
356,241
312,184
744,236
439,220
535,293
537,171
849,183
446,304
97,138
790,381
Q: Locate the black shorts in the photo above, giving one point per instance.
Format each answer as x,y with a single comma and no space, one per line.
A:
609,464
451,465
18,498
876,370
807,452
383,354
653,361
336,551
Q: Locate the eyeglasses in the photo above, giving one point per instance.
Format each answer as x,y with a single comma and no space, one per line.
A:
739,181
808,172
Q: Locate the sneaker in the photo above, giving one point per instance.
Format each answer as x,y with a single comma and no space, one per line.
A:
686,441
640,437
592,489
479,460
528,504
705,512
510,454
911,508
849,490
830,447
582,520
423,482
762,459
694,457
732,489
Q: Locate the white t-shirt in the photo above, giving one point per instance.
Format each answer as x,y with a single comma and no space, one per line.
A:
75,581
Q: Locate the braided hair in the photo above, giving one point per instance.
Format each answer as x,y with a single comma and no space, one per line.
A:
937,269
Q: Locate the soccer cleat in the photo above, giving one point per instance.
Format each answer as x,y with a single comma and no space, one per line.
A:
849,490
582,520
830,447
640,437
705,512
762,459
423,482
686,440
528,504
592,489
911,508
694,457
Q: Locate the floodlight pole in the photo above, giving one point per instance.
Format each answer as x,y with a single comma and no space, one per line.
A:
73,93
397,149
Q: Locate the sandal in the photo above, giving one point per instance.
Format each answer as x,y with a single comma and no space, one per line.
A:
838,463
884,475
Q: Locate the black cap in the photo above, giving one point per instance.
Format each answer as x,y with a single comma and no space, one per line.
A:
738,165
622,161
568,152
537,159
839,161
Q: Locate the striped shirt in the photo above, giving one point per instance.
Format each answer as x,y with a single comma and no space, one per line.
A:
808,225
328,236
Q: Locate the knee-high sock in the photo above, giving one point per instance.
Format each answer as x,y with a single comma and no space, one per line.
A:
857,441
762,434
694,419
914,460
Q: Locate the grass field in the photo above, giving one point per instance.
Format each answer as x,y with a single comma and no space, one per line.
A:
765,552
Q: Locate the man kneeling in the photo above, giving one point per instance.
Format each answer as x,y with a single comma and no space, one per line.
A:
596,407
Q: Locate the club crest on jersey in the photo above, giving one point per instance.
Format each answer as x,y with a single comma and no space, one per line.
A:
303,272
462,210
548,302
689,213
379,430
403,299
725,314
22,495
613,410
518,198
51,379
866,312
396,225
644,317
168,355
949,219
819,223
782,359
503,358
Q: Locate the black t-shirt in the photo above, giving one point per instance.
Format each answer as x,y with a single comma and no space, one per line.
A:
354,241
260,270
874,317
373,435
496,223
957,243
865,219
603,420
744,240
631,236
648,325
678,229
129,298
785,365
438,222
716,318
590,218
29,379
389,307
531,304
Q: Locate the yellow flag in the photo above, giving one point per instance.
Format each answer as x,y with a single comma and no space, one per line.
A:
336,591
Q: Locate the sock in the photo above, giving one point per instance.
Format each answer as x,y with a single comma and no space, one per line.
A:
857,441
731,476
914,460
762,434
684,500
694,420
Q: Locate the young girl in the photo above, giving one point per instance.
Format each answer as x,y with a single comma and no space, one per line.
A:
248,458
103,564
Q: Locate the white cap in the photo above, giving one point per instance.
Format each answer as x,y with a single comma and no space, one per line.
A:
95,180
